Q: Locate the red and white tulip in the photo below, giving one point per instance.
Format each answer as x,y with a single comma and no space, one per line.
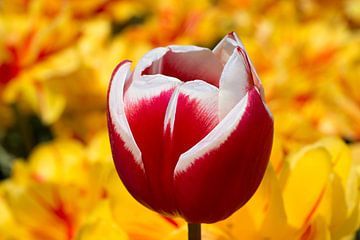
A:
189,129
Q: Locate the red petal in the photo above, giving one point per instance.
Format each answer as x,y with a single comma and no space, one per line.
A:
217,182
126,155
191,115
146,101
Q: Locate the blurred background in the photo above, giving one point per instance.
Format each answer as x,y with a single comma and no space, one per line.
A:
56,58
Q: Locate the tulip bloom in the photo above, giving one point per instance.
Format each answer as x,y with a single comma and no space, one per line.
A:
189,130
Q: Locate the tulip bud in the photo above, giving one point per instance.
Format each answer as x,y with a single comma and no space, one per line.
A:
189,129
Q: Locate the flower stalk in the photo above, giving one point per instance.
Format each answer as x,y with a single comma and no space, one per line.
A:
194,231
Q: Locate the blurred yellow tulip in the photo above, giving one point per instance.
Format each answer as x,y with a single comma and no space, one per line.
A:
315,196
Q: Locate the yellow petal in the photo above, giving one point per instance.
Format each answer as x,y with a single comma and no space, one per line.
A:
345,196
101,225
262,216
277,154
99,148
58,161
318,230
138,221
306,184
340,156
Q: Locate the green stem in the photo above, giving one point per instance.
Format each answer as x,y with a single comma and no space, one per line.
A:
194,232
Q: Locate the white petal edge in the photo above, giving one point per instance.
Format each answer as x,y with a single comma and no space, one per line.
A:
117,111
149,86
206,93
148,59
234,82
155,54
223,51
226,46
171,111
186,48
214,139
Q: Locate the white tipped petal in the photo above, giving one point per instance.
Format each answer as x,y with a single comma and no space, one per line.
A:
214,139
206,95
226,46
235,81
153,59
224,50
149,86
185,63
171,110
186,48
117,110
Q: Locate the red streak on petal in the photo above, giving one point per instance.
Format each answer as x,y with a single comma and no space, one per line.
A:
38,178
8,71
171,221
307,234
17,53
315,207
59,211
11,67
303,98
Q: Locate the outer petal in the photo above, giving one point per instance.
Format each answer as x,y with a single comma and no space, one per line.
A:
226,46
126,154
183,62
235,81
146,101
306,185
190,116
225,49
230,160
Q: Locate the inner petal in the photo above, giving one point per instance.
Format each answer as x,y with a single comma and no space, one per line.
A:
235,81
191,115
145,106
188,63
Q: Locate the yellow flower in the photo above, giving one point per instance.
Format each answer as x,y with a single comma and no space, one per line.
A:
57,189
75,191
315,196
8,227
26,41
101,224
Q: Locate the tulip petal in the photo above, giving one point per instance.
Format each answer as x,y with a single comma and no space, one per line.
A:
116,109
191,115
235,81
126,153
225,49
198,95
306,185
146,101
183,62
187,107
231,159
